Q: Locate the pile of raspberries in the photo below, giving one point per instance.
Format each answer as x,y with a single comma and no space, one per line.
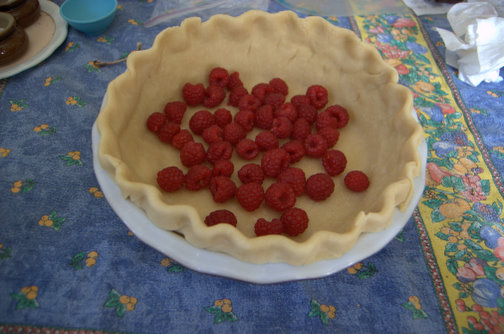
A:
290,130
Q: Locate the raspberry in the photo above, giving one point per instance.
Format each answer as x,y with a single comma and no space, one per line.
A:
198,177
287,110
266,140
331,136
247,149
193,94
200,121
220,216
340,114
317,95
219,77
326,120
251,173
319,186
295,177
264,117
221,150
315,145
261,90
249,102
181,138
279,86
167,131
264,227
223,168
334,162
356,181
175,111
155,121
300,129
297,100
274,161
192,154
222,188
234,81
233,133
212,134
214,95
276,100
280,196
246,119
307,112
236,94
295,149
281,127
294,221
223,117
250,196
170,179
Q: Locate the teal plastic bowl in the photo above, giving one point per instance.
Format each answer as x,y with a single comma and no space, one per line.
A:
91,17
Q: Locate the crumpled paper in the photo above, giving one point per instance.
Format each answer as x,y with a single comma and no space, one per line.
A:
476,45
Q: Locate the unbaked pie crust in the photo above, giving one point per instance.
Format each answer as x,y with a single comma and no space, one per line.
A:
382,137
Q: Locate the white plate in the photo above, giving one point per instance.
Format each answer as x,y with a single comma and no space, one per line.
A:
42,51
201,260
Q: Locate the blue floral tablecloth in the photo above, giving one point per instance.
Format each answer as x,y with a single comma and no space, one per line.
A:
67,262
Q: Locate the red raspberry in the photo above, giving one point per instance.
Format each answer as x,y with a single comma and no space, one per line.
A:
167,131
315,145
356,181
250,196
334,162
219,77
251,173
331,136
281,127
279,86
295,149
326,120
223,117
317,95
220,216
264,117
274,161
295,177
233,133
212,134
247,149
280,196
264,227
193,94
200,121
175,111
261,90
341,115
223,168
266,140
236,94
155,121
198,177
294,221
221,150
181,138
214,95
300,99
319,186
234,81
192,154
307,112
222,188
246,119
287,110
276,100
249,102
170,179
300,129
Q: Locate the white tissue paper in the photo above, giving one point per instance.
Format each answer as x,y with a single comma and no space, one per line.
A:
476,45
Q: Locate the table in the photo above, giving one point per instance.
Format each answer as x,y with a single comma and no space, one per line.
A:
68,263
